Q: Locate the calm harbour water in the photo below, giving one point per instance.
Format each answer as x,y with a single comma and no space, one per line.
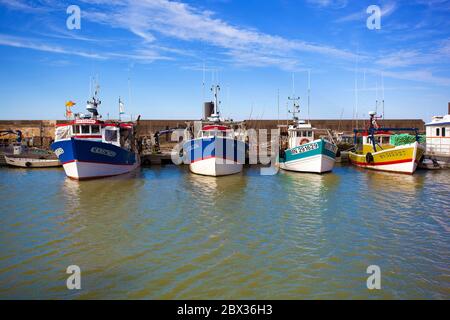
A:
164,233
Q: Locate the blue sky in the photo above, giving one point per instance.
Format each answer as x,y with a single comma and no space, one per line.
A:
250,47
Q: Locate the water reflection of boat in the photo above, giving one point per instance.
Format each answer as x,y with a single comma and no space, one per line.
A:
206,185
394,183
312,184
79,196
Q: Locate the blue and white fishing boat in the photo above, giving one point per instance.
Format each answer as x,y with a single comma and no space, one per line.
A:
91,148
305,153
216,151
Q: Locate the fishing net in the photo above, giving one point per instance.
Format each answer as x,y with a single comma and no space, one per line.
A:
401,139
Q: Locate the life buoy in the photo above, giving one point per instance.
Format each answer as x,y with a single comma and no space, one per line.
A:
369,158
304,141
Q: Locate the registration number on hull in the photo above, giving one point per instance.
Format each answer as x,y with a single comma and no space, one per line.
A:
305,148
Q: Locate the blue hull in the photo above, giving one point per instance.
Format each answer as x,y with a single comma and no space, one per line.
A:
92,151
86,159
214,147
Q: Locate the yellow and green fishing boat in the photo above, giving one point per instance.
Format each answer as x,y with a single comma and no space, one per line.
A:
374,150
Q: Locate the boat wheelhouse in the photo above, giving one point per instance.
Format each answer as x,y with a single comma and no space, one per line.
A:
375,151
438,136
90,148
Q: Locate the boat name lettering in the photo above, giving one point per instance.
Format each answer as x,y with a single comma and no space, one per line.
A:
305,148
104,152
85,121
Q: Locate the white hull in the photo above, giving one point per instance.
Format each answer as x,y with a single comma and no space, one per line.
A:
316,164
406,167
32,163
215,167
90,170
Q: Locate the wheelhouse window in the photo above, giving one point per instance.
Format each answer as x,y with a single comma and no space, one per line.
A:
85,129
443,132
111,135
95,129
437,132
309,134
76,129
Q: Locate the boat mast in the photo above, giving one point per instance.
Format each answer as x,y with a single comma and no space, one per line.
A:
309,92
382,93
93,104
295,104
355,113
216,89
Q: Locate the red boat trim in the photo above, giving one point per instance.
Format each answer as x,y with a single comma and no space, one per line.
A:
99,162
212,157
364,164
87,137
215,127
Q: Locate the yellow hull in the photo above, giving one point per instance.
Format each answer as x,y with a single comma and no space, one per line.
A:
402,159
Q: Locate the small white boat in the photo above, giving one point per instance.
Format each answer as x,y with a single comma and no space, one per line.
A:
432,164
30,162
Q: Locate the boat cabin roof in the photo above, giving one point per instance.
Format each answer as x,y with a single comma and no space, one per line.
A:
439,121
124,125
215,128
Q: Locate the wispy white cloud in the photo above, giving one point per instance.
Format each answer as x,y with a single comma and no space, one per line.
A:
19,42
151,19
333,4
386,11
144,55
419,75
439,54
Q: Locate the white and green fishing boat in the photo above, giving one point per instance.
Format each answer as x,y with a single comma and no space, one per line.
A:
303,152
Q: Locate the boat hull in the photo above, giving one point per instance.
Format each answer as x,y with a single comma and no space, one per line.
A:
89,170
401,159
215,156
215,167
32,163
84,159
318,156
